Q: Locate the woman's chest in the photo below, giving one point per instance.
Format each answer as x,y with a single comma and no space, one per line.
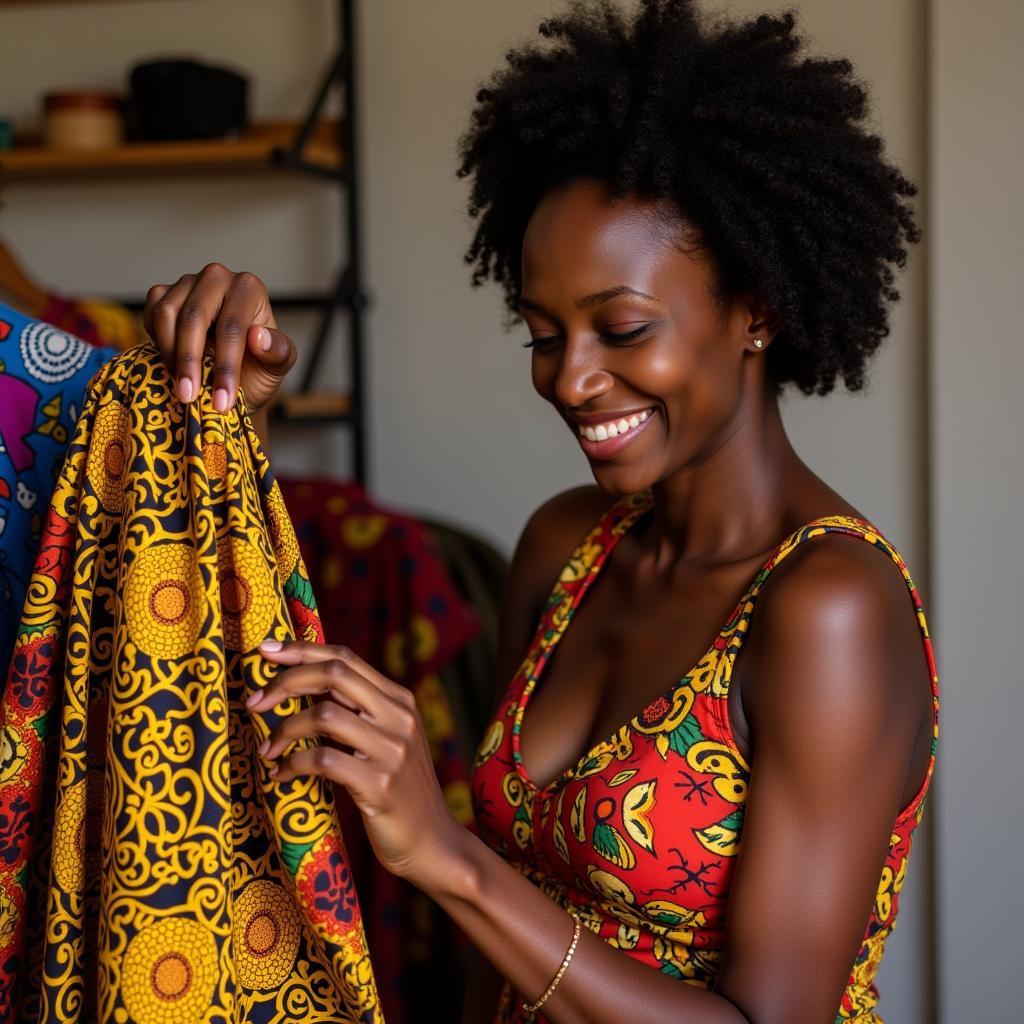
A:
620,651
644,828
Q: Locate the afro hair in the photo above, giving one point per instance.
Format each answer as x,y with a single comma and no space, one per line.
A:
761,148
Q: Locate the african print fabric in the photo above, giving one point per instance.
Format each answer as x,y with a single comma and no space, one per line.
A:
182,885
385,593
43,376
640,838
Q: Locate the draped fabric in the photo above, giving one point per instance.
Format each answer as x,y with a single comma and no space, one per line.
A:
151,872
385,592
43,377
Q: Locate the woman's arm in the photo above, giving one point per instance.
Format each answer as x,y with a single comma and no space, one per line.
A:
831,764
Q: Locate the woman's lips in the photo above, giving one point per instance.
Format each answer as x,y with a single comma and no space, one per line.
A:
612,445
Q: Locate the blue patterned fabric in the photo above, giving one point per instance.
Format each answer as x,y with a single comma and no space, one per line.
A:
43,376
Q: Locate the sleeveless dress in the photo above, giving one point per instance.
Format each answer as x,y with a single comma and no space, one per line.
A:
639,838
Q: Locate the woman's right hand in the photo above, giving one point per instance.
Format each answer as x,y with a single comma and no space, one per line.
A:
232,313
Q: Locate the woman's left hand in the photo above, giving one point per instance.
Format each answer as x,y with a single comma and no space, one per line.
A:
375,747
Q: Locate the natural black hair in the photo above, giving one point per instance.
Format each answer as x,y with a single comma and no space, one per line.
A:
761,148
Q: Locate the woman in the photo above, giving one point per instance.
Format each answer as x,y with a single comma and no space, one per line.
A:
718,773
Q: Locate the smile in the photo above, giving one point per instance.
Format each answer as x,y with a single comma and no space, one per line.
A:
614,428
606,440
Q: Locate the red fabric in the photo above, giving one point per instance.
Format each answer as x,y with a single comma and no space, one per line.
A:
66,314
383,591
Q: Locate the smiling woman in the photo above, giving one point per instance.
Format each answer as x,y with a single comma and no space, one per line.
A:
698,802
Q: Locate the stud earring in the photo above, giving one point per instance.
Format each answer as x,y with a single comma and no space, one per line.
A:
758,343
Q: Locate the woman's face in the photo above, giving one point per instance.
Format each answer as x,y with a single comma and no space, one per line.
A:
630,343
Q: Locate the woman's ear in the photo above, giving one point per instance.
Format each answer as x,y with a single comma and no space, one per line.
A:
762,323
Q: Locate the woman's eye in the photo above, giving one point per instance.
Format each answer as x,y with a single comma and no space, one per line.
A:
543,341
617,337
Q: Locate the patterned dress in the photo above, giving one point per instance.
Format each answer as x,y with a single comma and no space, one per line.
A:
639,839
43,375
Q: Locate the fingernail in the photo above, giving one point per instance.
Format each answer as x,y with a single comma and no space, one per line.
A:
185,389
253,699
273,771
265,339
220,400
264,747
271,645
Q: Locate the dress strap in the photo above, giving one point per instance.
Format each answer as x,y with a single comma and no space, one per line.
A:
736,629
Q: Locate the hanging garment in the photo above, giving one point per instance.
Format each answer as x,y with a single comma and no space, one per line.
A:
43,376
150,870
385,593
96,321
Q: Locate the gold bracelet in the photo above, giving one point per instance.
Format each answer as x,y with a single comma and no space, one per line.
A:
534,1007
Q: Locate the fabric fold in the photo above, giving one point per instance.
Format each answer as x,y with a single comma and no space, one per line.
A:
181,884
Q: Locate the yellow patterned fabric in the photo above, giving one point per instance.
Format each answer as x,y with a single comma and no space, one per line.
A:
150,870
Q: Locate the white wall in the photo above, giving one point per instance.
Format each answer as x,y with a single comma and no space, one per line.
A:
977,370
455,428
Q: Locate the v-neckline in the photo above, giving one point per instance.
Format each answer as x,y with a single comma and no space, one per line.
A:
642,503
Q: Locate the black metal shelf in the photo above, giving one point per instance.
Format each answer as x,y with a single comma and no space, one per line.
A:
337,166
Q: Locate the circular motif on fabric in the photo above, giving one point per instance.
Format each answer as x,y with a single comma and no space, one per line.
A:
266,932
282,533
169,973
108,455
361,532
68,855
247,594
168,602
164,603
50,355
215,458
12,752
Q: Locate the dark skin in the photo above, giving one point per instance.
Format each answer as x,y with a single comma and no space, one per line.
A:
830,697
229,312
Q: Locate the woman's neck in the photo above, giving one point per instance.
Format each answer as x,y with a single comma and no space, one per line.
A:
732,504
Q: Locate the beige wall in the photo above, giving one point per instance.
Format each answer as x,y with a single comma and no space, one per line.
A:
456,430
977,368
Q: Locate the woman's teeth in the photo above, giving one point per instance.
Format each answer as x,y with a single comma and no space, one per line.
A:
613,428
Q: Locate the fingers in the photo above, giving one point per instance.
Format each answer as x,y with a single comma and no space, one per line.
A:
358,700
318,669
273,348
244,303
199,310
179,319
161,318
296,652
330,721
153,296
354,773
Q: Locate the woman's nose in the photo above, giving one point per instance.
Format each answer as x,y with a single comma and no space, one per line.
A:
581,376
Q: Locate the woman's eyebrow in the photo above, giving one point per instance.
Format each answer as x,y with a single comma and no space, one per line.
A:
591,300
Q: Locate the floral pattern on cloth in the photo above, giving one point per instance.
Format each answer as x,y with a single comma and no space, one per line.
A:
384,592
43,375
639,839
150,869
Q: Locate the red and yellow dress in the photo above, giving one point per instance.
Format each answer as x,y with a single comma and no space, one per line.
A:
639,838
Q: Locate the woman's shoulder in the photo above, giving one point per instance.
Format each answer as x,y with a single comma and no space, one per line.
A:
558,526
836,628
550,536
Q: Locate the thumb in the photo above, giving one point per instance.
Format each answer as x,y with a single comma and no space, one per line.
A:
272,349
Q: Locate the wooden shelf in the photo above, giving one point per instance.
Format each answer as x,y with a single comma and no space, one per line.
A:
251,153
313,405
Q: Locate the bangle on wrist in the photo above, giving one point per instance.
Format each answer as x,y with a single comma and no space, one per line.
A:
534,1007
